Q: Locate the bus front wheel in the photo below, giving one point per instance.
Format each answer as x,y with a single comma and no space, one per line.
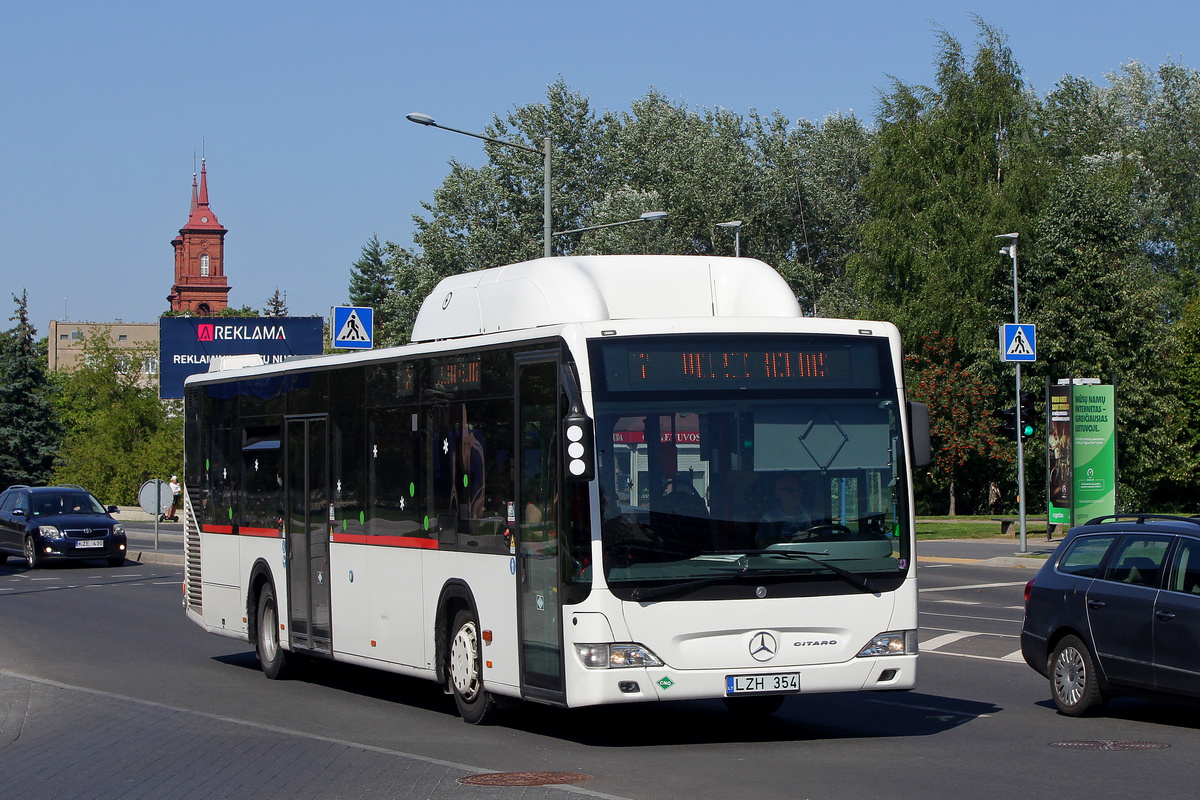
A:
275,661
475,704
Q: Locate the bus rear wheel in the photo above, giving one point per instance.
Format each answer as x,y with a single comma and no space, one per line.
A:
475,704
276,662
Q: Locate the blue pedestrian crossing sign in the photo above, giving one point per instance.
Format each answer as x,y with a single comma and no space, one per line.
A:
1018,342
352,327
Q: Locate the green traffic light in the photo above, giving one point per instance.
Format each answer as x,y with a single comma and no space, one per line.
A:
1027,430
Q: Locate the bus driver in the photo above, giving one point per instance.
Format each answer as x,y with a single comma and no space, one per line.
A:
788,518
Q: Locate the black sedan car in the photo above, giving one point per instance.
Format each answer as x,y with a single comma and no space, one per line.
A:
1116,610
55,523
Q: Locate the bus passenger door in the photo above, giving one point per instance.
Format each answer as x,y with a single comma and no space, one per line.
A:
308,534
538,526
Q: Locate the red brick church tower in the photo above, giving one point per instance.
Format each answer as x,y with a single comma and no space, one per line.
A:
200,285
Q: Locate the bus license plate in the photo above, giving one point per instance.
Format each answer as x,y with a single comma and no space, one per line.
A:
755,684
89,543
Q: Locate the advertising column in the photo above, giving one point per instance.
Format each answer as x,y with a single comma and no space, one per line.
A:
1058,448
1094,451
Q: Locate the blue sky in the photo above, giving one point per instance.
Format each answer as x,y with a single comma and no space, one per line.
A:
299,108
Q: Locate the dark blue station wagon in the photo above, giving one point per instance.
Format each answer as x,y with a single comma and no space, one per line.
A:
1116,610
58,523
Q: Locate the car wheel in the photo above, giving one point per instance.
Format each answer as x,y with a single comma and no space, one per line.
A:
475,704
1073,679
32,560
276,662
763,706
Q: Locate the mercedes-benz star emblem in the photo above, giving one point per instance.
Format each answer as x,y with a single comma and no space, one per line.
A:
763,646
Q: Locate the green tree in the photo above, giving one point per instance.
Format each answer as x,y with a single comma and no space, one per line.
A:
952,166
239,311
276,306
370,279
118,433
962,429
1092,284
29,428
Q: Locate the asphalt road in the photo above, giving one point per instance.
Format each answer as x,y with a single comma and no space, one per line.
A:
106,690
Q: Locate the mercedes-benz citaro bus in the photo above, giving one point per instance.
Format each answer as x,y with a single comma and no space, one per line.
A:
589,480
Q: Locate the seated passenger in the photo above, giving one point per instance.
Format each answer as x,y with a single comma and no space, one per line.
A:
788,518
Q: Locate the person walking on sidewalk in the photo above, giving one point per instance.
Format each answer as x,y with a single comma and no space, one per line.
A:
175,490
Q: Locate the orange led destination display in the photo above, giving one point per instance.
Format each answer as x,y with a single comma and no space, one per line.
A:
457,375
724,368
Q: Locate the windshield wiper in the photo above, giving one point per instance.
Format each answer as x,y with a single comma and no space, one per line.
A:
651,592
852,578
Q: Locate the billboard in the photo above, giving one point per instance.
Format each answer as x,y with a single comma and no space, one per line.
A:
1082,444
187,344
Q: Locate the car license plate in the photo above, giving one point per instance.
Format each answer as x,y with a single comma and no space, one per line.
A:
82,543
762,684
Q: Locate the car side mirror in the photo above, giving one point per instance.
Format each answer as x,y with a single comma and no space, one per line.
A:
113,510
18,512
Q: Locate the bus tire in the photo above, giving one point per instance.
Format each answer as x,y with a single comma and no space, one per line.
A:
276,662
465,671
763,706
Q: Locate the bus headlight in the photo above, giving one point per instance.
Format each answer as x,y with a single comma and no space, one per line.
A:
616,656
51,533
892,643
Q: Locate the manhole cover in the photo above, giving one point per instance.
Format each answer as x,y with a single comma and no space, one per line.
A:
1108,744
524,778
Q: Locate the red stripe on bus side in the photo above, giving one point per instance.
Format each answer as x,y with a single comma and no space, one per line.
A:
217,528
388,541
271,532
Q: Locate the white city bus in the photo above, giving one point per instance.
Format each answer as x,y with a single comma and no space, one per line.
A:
588,480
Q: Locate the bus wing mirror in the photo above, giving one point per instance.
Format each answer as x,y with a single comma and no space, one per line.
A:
918,426
579,436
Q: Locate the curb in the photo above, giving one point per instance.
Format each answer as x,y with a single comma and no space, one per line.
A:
1023,562
153,557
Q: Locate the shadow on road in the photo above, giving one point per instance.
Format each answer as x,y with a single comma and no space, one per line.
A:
814,717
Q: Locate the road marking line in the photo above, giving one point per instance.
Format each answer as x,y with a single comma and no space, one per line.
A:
971,633
967,616
468,768
974,586
959,602
1014,656
943,640
926,708
947,561
972,655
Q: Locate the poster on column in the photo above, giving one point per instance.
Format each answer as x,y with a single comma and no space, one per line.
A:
1094,451
1058,449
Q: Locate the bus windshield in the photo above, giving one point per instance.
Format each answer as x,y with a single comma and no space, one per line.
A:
717,473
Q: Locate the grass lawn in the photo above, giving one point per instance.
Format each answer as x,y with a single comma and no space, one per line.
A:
973,528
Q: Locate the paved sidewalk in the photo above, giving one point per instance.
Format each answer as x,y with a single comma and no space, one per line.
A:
995,552
66,741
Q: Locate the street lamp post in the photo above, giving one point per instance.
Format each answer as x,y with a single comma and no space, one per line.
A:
649,216
737,235
425,119
1011,250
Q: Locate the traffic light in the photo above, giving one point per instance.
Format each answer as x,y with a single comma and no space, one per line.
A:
1008,422
1029,417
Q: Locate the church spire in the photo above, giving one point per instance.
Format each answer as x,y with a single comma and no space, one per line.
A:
201,216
